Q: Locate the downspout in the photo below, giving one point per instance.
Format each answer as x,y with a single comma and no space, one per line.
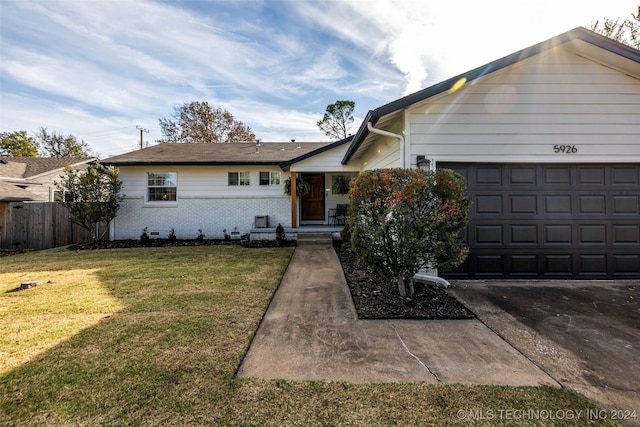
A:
393,135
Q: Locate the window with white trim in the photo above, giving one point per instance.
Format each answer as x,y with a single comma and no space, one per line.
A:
162,186
270,178
239,178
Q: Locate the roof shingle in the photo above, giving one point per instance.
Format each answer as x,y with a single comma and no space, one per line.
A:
215,154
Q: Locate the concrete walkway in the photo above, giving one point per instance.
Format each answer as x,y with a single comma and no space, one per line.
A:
311,332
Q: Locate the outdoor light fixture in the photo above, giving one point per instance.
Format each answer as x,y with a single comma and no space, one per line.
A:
423,163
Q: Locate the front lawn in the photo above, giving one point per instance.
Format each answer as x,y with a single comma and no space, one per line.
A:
153,336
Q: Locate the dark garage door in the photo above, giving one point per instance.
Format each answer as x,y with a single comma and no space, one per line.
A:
579,221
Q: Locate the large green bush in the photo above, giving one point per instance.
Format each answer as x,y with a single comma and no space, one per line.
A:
404,219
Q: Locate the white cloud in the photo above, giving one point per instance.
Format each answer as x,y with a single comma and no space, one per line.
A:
89,68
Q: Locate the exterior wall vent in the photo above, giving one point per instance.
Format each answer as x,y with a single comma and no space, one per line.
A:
262,221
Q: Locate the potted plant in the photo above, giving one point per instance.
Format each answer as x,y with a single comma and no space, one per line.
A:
302,187
340,184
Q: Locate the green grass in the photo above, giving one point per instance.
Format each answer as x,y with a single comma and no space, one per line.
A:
154,337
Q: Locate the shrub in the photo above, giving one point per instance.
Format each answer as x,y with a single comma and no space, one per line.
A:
280,235
402,220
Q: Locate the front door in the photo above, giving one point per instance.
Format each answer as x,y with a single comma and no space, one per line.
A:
312,205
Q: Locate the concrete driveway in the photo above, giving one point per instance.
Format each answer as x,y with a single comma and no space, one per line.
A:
584,334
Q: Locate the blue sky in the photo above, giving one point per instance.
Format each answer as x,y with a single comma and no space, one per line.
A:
99,68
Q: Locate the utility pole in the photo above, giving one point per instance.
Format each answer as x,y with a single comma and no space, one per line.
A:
141,129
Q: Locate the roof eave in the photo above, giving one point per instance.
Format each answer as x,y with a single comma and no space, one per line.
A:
577,33
289,163
190,163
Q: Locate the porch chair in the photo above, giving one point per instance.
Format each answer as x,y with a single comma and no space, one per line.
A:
339,216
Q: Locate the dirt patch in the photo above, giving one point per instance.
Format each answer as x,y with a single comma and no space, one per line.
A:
375,297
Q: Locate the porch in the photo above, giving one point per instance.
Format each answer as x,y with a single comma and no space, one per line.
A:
292,233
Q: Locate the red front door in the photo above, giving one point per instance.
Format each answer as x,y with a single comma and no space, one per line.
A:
312,205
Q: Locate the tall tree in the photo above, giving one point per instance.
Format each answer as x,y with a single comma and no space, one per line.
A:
627,31
337,119
59,145
91,196
18,144
198,122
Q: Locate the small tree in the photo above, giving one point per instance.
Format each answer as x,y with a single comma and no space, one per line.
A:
17,144
627,31
402,220
91,196
337,119
59,145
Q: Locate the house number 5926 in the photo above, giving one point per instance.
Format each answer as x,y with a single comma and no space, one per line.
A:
566,149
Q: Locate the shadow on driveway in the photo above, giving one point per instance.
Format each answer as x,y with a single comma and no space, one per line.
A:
585,334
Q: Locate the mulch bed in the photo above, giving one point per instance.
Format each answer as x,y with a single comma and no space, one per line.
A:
158,243
375,297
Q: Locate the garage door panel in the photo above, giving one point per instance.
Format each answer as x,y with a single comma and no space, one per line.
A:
591,175
626,265
626,234
592,234
488,175
552,221
488,204
490,265
625,204
524,265
524,234
522,175
593,204
591,265
625,175
489,235
556,175
559,234
557,204
557,265
523,204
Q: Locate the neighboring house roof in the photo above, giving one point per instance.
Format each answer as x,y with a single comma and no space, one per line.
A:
31,167
267,153
577,34
23,171
13,193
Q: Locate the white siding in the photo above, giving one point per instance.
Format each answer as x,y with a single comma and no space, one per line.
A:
519,114
204,201
384,154
329,160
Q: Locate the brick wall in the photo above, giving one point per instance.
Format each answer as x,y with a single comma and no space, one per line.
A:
211,214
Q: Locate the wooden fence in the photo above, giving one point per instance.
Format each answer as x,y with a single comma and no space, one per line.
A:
41,225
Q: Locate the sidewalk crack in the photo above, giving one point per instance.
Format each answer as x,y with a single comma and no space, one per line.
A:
420,362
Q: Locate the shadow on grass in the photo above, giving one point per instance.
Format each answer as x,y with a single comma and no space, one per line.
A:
169,355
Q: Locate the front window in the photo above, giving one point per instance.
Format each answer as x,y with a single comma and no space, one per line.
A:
162,186
270,178
239,178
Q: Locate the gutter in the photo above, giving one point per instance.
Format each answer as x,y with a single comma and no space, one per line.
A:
393,135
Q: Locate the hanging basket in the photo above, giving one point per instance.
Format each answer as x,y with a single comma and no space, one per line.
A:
302,187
